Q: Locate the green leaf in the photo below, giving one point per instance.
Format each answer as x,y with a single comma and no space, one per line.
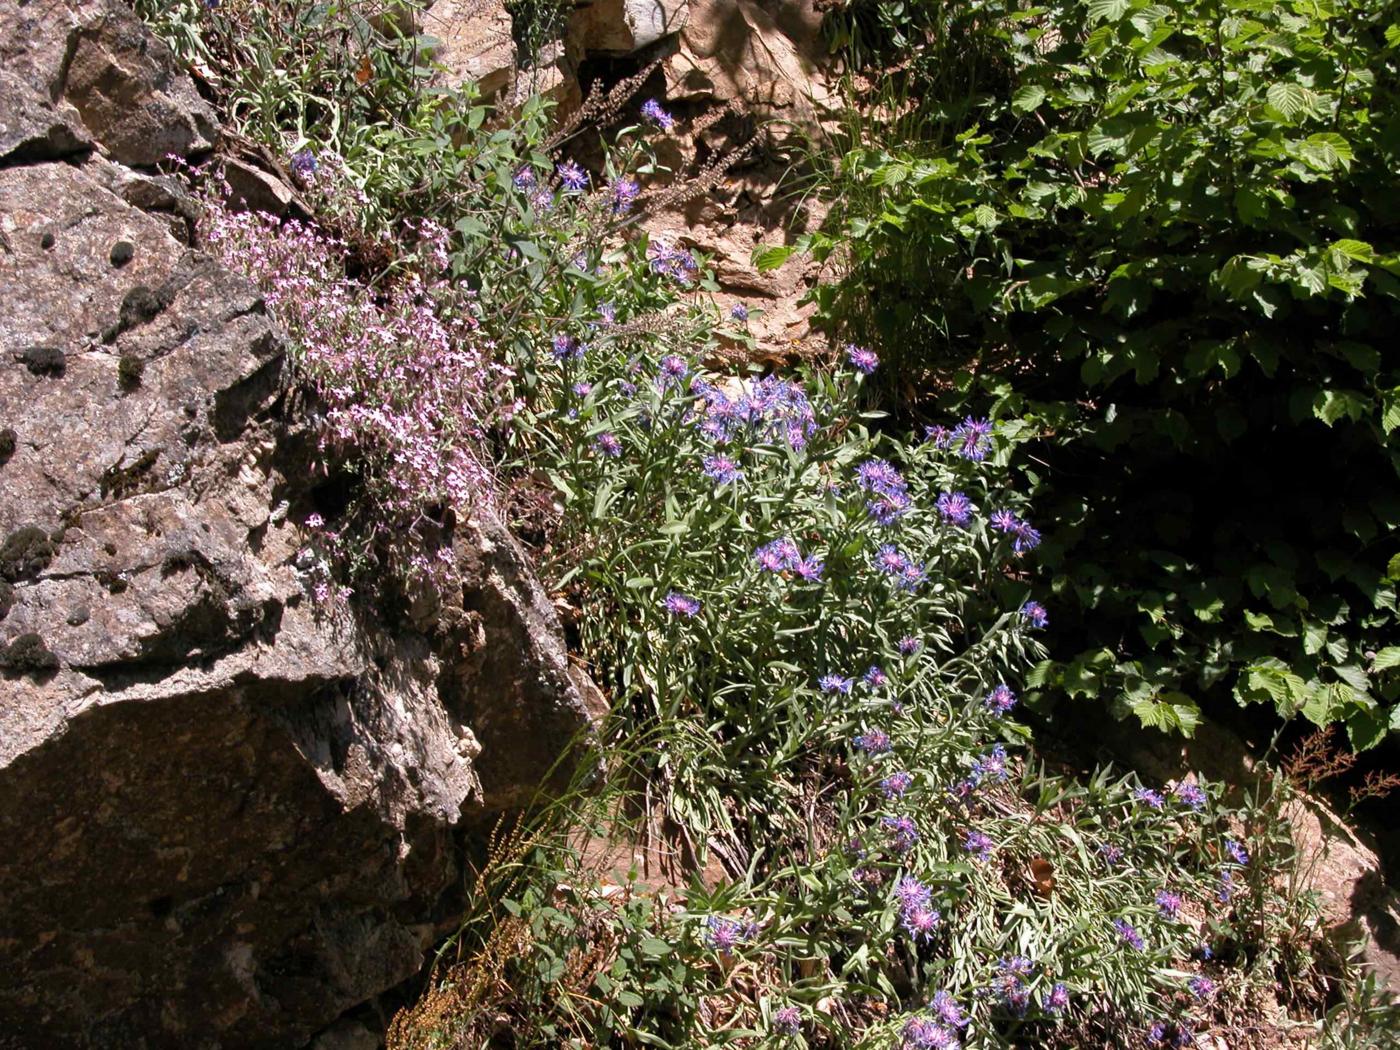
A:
1288,100
1386,659
1107,10
771,256
1027,98
1332,405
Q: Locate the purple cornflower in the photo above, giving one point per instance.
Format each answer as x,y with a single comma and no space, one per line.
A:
608,312
651,109
978,843
1129,934
890,560
1201,987
608,444
723,934
887,508
954,507
304,165
862,360
678,604
524,178
1000,700
788,1019
909,645
739,312
573,178
809,568
542,199
624,194
1112,855
1189,794
567,348
1169,903
1157,1033
1237,853
583,389
1227,887
722,469
947,1010
937,436
920,1033
991,766
972,437
1034,614
1058,999
920,921
673,370
873,742
778,555
673,262
903,831
834,683
896,784
875,677
881,476
911,893
1023,537
912,577
627,389
1148,797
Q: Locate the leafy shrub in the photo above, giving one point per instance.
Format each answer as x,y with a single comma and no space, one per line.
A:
1159,235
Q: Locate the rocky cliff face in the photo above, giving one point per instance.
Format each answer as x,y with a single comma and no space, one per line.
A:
228,816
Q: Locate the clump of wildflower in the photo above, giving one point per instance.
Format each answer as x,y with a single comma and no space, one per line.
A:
608,444
889,492
903,832
524,178
1168,903
873,742
739,312
896,784
1057,1001
834,683
572,177
954,507
1190,795
979,845
1148,797
722,469
1023,536
582,389
1011,984
624,193
772,410
778,555
919,1033
724,935
1201,987
671,261
1000,700
946,1009
907,574
1034,614
678,604
672,371
875,677
920,921
972,438
1236,852
991,766
788,1020
909,645
1129,934
862,360
651,109
1112,855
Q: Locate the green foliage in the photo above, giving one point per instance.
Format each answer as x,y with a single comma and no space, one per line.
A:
1162,235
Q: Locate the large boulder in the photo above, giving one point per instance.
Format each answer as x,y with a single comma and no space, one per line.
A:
230,813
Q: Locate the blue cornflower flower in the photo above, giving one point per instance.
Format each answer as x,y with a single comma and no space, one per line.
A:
1129,934
938,436
1148,797
651,109
1000,700
524,178
624,194
881,476
673,370
874,742
834,683
991,766
888,507
304,164
739,312
582,389
1201,987
947,1010
896,784
909,645
1169,903
788,1020
978,844
911,893
1237,853
608,444
862,360
954,507
903,832
1112,855
1034,614
573,178
778,555
722,469
1058,999
920,921
810,568
875,677
678,604
1190,794
723,934
973,438
1226,891
567,348
890,560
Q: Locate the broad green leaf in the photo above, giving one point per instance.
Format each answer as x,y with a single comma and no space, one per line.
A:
771,256
1027,98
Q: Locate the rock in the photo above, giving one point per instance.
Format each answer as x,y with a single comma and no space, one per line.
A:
252,189
106,77
624,26
229,815
474,43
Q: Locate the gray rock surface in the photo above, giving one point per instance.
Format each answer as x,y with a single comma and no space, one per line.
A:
229,815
